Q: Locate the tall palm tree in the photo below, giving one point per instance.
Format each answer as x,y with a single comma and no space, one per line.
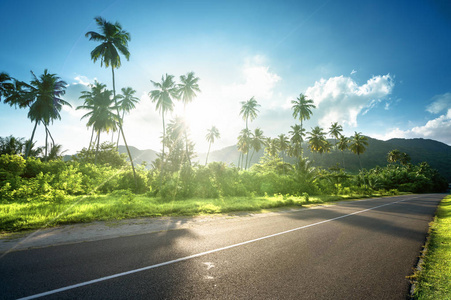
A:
297,137
249,110
165,91
102,114
335,131
126,103
357,144
212,134
302,108
343,145
317,140
187,92
113,40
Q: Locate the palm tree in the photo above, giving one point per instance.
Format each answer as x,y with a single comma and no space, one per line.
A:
335,131
162,96
272,147
394,156
188,88
56,152
283,142
187,92
249,110
101,115
88,98
11,145
342,146
244,145
257,141
212,134
113,40
357,145
297,137
317,140
126,103
42,96
302,108
5,84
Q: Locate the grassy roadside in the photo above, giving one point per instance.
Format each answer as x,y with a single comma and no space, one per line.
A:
433,281
16,217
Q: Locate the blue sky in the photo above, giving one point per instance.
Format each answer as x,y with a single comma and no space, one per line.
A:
382,68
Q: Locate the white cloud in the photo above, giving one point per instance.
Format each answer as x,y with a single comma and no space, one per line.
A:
441,103
83,80
436,129
256,81
341,99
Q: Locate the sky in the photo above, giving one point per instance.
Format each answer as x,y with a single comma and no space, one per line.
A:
382,68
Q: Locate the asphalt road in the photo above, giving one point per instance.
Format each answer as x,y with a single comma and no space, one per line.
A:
351,250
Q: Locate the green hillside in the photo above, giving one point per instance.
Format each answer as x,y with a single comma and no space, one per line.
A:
436,154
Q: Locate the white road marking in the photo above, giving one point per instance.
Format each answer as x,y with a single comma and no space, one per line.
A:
203,253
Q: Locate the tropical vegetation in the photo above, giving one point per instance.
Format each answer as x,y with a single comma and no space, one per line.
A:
30,174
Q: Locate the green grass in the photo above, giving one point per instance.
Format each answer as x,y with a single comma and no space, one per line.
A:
433,281
122,205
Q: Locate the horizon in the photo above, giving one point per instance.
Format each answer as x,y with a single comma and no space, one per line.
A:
366,66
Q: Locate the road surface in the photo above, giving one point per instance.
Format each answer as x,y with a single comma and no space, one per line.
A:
351,250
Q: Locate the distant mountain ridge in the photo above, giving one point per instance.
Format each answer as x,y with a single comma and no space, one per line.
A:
436,154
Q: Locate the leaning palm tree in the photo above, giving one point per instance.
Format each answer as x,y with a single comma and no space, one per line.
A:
335,131
302,108
249,110
113,40
165,91
126,103
187,92
212,134
357,145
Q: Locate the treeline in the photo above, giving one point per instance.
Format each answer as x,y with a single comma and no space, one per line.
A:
34,180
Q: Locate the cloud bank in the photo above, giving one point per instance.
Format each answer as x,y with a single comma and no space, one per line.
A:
438,128
340,99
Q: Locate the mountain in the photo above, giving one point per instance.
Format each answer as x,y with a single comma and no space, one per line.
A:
436,154
139,155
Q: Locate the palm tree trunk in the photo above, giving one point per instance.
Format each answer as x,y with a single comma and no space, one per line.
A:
31,140
97,148
208,153
122,131
343,155
239,160
90,141
46,142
